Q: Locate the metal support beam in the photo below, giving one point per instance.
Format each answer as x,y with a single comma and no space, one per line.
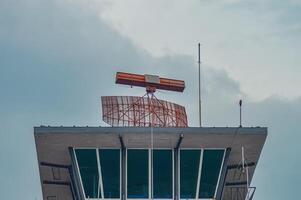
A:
179,141
236,183
66,183
121,142
54,165
223,177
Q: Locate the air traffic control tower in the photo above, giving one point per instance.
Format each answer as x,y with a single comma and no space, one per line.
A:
147,153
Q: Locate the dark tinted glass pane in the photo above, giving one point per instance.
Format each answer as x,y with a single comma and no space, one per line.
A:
212,161
162,168
189,169
110,171
137,173
87,162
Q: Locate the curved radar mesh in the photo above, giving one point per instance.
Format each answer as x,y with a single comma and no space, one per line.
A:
143,111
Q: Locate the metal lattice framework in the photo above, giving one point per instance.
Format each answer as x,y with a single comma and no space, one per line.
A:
143,111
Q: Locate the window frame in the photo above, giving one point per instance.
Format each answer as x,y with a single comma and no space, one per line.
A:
199,172
179,171
100,184
150,173
150,178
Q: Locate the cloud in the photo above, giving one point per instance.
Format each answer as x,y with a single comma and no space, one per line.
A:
261,38
58,57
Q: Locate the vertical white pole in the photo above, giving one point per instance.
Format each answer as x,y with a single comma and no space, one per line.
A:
245,169
100,176
240,117
151,164
200,103
199,175
151,149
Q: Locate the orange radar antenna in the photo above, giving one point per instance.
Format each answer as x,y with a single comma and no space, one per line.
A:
150,82
148,110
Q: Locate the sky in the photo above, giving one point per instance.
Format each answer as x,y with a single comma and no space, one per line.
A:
57,58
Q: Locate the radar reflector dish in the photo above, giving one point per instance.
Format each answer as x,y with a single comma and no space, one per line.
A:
142,112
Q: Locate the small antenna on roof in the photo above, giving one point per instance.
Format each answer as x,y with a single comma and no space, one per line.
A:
240,104
200,101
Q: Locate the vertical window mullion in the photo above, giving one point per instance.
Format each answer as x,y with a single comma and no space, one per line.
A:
88,170
219,176
80,177
211,168
100,183
199,176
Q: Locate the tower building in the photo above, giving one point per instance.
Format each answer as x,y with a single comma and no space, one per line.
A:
148,152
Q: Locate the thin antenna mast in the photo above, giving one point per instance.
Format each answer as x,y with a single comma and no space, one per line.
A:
240,104
200,102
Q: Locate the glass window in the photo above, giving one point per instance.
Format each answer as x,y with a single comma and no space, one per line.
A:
110,171
163,173
189,169
212,161
87,163
137,173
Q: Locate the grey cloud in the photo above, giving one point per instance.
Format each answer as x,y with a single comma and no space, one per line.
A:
284,14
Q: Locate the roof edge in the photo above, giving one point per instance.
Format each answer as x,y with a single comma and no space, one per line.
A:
120,130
